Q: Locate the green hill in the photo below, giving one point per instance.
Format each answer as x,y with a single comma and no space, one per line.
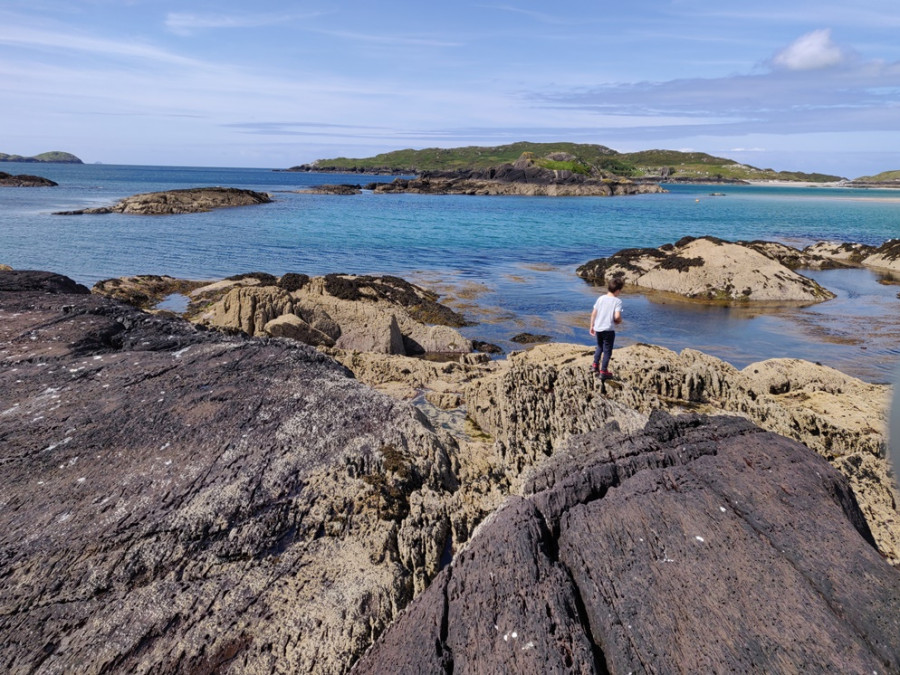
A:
665,165
882,177
55,157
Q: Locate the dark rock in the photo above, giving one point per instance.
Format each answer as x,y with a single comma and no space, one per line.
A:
699,545
175,500
486,347
293,281
530,338
264,278
24,180
17,281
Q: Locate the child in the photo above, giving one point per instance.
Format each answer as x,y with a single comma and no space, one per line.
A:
607,313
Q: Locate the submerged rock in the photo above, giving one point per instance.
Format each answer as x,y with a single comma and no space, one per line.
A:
190,200
694,545
708,269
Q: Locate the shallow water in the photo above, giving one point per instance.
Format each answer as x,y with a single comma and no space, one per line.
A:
511,259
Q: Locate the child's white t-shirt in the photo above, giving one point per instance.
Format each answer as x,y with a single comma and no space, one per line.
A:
606,306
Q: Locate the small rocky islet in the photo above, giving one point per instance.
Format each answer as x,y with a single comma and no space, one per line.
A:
24,180
709,269
252,490
172,202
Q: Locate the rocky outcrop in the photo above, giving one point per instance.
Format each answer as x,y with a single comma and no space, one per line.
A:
686,547
524,177
178,500
710,270
886,256
170,202
332,189
24,180
536,399
883,258
382,314
515,183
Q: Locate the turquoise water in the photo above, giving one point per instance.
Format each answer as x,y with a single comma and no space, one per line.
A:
520,252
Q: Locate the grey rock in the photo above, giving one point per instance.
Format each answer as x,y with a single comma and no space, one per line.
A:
697,545
178,500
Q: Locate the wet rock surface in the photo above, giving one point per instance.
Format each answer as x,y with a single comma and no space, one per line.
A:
686,547
170,202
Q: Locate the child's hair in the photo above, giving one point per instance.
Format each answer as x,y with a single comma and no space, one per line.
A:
616,284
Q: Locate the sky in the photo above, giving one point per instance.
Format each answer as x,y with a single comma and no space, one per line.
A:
791,85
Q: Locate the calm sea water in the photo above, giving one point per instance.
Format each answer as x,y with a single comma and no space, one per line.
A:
507,261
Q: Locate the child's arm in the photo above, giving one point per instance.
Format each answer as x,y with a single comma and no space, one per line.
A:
593,316
617,317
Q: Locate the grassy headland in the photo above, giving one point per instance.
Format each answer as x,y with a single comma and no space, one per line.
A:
55,157
667,165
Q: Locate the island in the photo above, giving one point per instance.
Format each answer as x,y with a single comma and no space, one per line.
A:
54,157
669,166
171,202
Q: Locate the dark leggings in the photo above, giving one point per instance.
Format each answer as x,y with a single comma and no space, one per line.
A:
605,340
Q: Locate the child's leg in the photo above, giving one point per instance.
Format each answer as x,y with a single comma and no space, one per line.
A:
607,341
598,351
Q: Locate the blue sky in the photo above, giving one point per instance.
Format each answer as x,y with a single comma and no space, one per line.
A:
809,86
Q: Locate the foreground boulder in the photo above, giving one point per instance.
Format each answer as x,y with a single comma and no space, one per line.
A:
708,269
696,545
537,399
170,202
178,500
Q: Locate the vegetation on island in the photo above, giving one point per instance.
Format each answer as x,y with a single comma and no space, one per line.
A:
56,157
589,159
883,177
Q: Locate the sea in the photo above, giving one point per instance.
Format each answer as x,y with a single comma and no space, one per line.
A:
508,263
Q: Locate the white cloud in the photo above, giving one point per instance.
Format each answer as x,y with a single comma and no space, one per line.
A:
20,36
182,23
811,52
